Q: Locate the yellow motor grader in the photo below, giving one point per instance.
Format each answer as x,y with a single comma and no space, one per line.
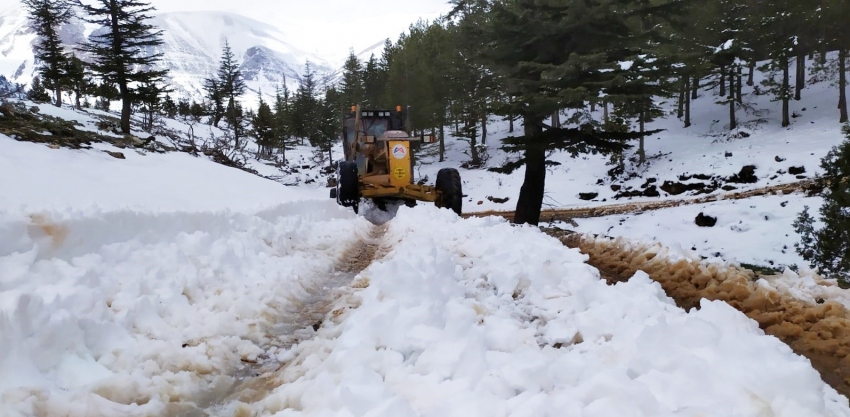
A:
379,164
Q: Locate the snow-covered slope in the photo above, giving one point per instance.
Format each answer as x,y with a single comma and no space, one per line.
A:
193,46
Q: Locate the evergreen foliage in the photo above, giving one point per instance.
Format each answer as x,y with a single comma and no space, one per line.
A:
121,49
828,248
47,17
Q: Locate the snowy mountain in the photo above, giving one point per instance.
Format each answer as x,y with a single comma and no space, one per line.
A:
192,49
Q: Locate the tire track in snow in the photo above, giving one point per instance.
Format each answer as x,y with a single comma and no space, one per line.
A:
327,298
816,329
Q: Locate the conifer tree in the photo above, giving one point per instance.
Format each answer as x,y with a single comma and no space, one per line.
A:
828,248
78,79
121,52
37,92
305,106
283,119
552,56
47,17
352,90
263,128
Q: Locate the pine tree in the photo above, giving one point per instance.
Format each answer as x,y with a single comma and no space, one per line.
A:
829,247
552,56
352,90
37,92
305,106
263,128
374,82
326,130
169,107
224,92
121,53
78,79
283,119
215,100
47,17
149,98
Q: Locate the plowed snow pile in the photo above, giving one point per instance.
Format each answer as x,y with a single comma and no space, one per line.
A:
808,313
127,314
479,318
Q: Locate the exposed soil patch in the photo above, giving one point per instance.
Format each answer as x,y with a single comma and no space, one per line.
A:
816,329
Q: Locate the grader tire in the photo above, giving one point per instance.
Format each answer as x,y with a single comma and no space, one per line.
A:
451,193
348,194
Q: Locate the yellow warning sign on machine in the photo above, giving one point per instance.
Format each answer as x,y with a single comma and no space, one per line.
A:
399,159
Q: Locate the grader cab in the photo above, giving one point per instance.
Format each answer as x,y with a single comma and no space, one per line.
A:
379,162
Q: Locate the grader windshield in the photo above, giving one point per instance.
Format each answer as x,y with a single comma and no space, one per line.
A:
372,123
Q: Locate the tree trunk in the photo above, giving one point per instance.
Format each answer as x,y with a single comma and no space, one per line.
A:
605,110
556,119
442,139
732,122
842,84
786,91
126,107
722,81
641,148
681,112
695,91
752,73
58,93
511,124
739,88
530,199
592,106
484,129
801,76
688,104
78,105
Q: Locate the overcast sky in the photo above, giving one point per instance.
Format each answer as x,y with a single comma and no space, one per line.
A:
328,28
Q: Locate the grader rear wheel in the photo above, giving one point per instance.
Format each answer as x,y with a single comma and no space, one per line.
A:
451,193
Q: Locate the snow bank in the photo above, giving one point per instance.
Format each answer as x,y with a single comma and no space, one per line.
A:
35,177
757,230
476,317
124,313
808,314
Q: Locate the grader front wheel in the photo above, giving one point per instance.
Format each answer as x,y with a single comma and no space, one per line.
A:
451,193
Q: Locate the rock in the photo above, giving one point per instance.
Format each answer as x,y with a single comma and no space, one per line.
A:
746,176
729,188
498,200
674,188
117,155
652,192
616,187
332,182
801,177
797,170
588,196
778,159
728,154
35,109
705,221
702,177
